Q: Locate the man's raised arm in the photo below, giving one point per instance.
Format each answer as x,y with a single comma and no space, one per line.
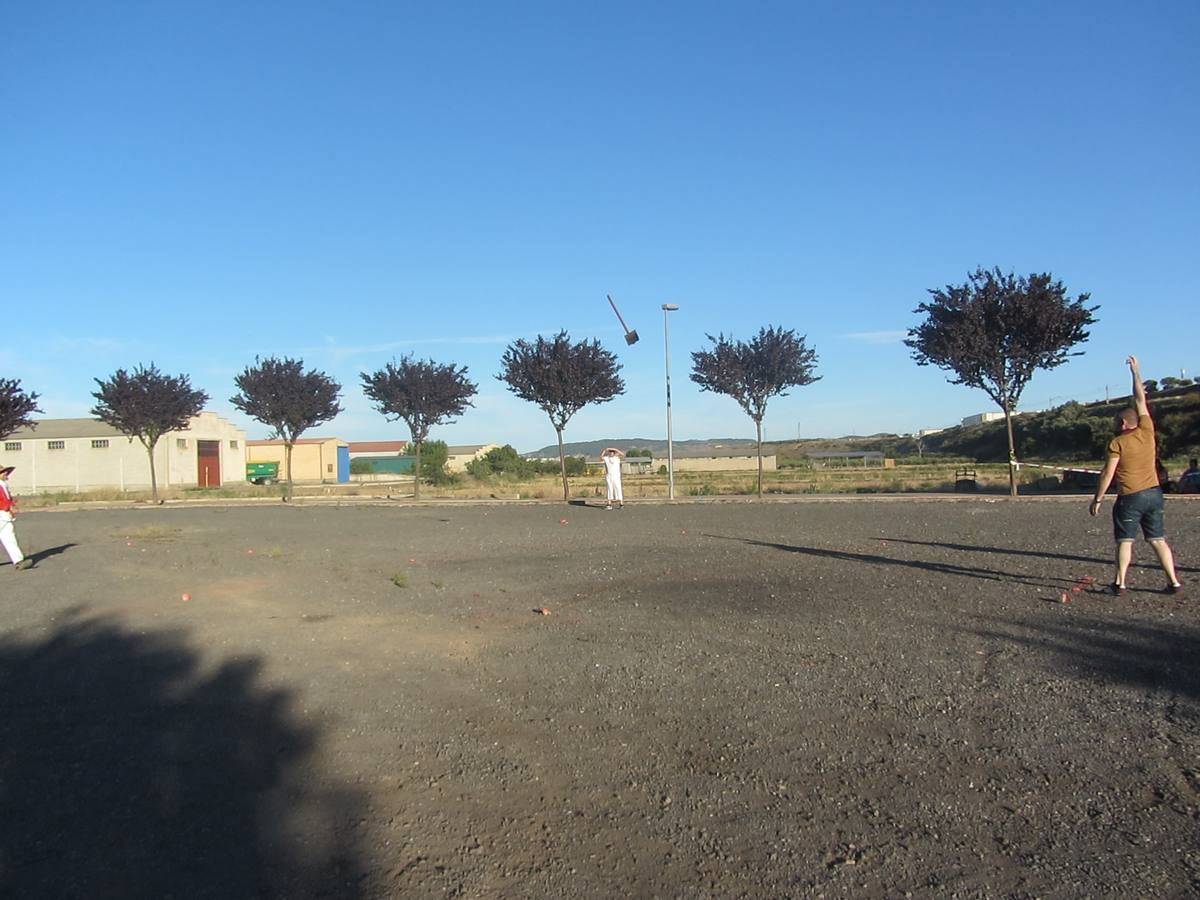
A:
1139,389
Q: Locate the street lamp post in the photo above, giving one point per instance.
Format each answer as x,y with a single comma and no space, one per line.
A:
669,308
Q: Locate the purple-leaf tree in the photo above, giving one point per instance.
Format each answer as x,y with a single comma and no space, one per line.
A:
16,407
561,378
423,394
146,404
754,371
995,331
282,395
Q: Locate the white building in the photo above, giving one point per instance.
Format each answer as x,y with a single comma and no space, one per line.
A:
87,454
459,456
981,418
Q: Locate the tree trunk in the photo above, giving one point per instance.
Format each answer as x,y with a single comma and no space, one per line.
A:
1012,450
562,465
287,452
153,477
417,471
758,425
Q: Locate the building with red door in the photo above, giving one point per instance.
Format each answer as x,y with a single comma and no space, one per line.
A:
81,455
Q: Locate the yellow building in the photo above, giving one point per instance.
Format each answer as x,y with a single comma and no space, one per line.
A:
314,460
459,456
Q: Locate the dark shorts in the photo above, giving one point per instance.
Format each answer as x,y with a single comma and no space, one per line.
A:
1144,509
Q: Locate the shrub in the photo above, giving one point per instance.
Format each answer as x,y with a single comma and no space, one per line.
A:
434,455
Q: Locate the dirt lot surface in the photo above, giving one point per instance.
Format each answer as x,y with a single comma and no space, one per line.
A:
794,699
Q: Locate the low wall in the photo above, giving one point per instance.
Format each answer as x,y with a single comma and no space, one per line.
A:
719,463
380,477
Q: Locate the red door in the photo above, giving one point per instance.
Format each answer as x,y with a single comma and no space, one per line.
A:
208,454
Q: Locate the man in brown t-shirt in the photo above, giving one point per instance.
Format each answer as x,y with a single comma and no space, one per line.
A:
1131,459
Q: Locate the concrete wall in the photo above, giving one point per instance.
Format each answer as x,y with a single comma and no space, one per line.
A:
81,455
718,463
380,477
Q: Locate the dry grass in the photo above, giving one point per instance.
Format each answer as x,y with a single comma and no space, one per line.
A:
150,533
785,481
921,478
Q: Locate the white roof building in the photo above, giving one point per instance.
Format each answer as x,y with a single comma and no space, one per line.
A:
86,454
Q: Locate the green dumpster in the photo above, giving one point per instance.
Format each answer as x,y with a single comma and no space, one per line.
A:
262,472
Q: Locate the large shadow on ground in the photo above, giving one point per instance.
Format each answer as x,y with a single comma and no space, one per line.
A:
1006,551
1150,561
1144,655
849,556
129,770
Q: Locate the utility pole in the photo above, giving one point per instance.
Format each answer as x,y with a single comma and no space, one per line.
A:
669,308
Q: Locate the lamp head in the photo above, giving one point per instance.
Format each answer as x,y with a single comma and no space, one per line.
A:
670,307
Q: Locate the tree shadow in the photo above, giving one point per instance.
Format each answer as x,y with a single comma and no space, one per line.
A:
1018,551
1007,551
1141,654
942,568
128,770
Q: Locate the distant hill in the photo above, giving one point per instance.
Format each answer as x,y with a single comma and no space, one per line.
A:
715,446
1076,431
1072,431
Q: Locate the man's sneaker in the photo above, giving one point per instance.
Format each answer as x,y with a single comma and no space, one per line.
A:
26,563
1116,589
609,506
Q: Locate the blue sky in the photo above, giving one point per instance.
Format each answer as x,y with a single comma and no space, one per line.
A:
195,184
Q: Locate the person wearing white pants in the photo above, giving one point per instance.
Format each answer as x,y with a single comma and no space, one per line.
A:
8,533
611,457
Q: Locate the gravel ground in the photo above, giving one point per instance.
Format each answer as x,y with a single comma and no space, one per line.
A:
868,698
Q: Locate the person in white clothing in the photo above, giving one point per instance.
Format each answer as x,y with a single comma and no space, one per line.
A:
8,533
611,457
